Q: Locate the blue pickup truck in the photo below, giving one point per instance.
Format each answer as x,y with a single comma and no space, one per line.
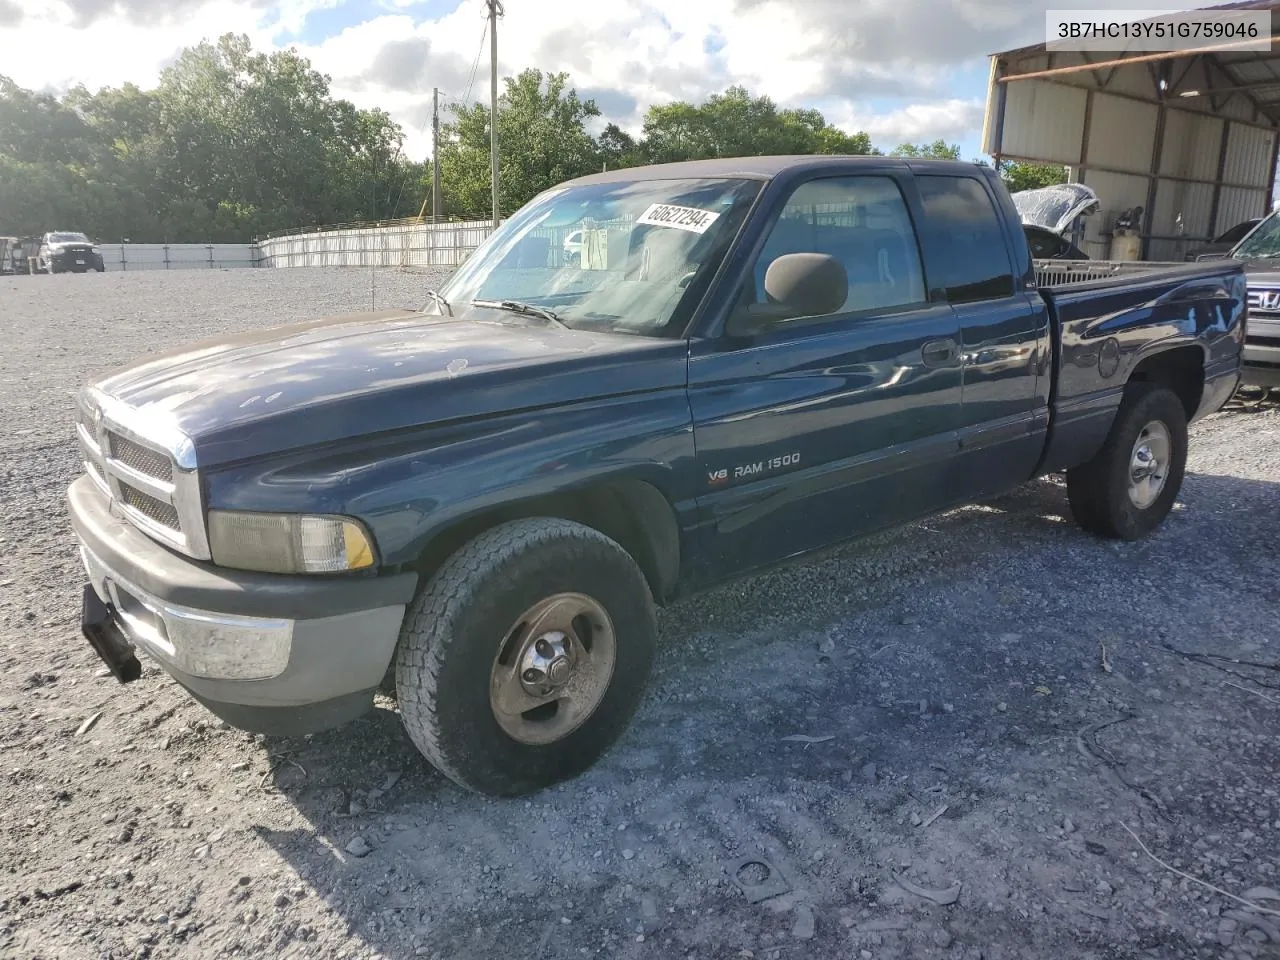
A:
478,503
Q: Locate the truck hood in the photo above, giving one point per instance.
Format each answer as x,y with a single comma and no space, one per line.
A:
1055,208
324,381
1262,272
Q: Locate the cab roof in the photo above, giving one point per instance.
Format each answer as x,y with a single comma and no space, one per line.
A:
764,168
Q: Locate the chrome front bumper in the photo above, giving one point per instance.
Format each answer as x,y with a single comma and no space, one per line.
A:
267,652
199,643
1261,360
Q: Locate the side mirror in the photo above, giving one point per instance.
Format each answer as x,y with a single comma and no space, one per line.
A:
795,285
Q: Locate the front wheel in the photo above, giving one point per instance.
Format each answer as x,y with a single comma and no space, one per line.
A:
1127,490
525,657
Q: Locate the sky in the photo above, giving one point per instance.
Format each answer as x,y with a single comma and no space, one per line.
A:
902,70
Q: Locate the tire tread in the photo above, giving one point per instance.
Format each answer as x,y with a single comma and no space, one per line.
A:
1097,497
428,637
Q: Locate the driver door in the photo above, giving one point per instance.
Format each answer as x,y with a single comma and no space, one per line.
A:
815,430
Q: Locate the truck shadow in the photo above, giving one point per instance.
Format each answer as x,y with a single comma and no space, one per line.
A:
911,662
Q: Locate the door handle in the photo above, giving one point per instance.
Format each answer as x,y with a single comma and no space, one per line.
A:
939,353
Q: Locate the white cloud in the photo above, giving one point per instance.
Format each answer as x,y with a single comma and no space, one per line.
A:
949,120
884,66
48,50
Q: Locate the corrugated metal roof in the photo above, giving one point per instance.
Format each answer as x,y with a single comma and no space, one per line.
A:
1249,152
1044,121
1121,133
1039,48
1192,144
1238,204
1254,73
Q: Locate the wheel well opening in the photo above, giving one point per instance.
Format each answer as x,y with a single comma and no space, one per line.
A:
634,513
1181,370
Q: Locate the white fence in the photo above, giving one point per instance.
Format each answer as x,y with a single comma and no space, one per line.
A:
178,256
441,245
398,245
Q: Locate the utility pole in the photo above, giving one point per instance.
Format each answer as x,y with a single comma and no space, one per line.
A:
495,11
435,155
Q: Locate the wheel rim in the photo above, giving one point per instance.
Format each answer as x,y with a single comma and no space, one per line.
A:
1149,464
552,669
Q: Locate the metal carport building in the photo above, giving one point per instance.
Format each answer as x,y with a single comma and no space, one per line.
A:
1190,136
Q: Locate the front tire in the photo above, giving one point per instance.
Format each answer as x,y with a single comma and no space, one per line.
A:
526,656
1127,490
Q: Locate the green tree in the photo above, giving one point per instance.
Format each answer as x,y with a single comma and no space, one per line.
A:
619,149
833,140
735,124
258,139
233,143
1029,176
230,144
543,140
938,150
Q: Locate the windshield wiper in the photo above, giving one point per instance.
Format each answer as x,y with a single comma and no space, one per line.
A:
440,302
526,309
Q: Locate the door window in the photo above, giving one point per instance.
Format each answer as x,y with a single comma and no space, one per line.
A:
863,223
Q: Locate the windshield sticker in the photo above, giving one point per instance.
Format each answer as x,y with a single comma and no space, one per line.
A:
682,218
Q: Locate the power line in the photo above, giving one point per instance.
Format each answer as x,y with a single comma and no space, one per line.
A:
476,65
395,211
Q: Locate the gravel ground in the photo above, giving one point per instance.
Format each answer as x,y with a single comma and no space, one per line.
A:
992,701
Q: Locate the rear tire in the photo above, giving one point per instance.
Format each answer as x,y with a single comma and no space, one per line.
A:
1127,490
526,655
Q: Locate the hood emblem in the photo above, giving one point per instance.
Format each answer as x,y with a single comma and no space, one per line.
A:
1269,300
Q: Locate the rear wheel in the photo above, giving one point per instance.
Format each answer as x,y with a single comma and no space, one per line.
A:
525,657
1127,490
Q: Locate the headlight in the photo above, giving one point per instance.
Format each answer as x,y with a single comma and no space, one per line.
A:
288,543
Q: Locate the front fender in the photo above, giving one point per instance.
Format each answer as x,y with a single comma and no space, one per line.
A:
409,488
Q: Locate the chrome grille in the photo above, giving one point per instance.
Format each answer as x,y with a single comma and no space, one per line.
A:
1264,300
95,471
150,507
91,454
153,463
142,478
151,485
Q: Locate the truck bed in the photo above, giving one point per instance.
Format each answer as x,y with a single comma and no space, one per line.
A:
1107,318
1060,273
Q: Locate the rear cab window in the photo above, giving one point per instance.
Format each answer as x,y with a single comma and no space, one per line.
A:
968,238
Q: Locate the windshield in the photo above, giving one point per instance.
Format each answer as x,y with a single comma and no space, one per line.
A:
1264,242
622,257
68,238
